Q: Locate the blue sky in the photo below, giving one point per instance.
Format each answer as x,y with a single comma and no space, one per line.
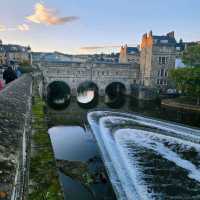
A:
75,24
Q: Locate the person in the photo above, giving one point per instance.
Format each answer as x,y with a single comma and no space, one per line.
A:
1,84
18,72
9,75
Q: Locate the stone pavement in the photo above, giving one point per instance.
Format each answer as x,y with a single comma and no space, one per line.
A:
15,101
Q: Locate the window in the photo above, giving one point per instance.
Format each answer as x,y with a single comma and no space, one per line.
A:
165,82
166,73
161,72
163,60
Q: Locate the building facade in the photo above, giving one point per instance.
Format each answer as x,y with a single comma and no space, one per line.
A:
129,55
14,54
157,57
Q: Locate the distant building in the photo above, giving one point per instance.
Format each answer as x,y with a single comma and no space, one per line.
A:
57,56
10,53
157,57
129,55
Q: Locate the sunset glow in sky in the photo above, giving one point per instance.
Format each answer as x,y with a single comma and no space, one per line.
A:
86,26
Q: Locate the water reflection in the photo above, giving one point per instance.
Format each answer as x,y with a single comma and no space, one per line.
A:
80,165
73,189
115,95
87,94
72,143
58,95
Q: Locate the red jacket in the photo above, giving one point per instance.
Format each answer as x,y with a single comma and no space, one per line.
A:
1,85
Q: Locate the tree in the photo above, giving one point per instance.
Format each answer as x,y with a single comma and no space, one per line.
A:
191,56
187,81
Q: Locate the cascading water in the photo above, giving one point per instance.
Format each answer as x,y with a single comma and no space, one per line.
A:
147,158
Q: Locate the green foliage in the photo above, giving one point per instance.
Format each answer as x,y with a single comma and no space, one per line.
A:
25,69
187,81
191,56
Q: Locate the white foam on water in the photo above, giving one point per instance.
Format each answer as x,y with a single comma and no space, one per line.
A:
114,178
123,171
175,138
143,138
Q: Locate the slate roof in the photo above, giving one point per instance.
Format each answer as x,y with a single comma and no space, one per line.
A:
13,48
132,50
164,40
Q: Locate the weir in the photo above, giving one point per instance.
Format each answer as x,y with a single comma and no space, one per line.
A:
146,158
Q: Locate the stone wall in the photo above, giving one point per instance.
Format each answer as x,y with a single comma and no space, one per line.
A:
15,105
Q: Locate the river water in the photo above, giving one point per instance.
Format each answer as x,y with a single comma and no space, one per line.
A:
72,142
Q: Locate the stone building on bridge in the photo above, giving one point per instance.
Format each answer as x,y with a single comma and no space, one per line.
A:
147,67
11,53
156,56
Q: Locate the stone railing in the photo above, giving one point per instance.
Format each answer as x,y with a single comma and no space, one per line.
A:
15,107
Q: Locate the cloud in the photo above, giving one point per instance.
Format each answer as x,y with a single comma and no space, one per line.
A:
23,27
44,15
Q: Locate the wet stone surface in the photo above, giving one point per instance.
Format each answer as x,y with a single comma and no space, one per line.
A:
164,179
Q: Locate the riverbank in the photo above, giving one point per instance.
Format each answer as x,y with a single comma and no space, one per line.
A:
43,177
181,103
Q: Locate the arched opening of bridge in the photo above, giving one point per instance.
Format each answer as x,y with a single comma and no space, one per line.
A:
58,95
115,94
87,94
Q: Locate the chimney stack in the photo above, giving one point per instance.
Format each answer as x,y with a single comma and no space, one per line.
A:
171,34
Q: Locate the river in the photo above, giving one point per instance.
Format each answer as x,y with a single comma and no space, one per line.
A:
73,141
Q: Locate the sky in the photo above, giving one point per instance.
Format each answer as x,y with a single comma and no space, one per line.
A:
95,26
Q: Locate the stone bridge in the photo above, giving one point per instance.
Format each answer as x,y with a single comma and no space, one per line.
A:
102,74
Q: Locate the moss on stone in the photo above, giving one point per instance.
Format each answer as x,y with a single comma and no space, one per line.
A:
44,180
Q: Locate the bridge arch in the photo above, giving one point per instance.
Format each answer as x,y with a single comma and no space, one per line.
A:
115,93
87,94
58,94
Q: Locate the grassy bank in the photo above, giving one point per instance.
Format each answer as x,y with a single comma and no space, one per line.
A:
44,180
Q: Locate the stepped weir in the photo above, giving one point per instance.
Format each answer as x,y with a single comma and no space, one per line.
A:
146,158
